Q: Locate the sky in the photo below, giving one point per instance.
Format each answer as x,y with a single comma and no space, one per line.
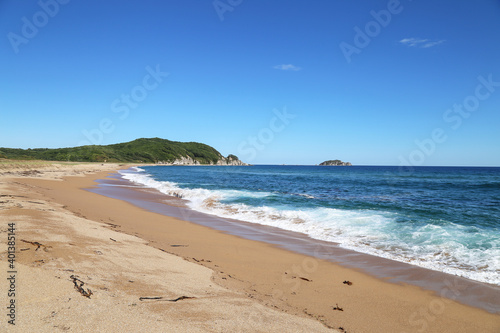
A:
273,82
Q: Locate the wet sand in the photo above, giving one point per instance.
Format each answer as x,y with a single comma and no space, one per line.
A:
480,295
245,286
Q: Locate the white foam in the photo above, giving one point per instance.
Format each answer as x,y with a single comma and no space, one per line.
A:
437,247
306,196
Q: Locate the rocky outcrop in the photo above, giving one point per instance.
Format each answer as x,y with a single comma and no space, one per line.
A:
187,160
335,163
230,160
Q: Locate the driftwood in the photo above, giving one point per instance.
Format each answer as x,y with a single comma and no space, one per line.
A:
37,244
162,298
305,279
180,298
144,298
79,286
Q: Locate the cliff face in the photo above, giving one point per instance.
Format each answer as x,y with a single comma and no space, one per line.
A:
230,160
186,160
335,163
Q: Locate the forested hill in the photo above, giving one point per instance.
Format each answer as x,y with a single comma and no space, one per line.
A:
154,150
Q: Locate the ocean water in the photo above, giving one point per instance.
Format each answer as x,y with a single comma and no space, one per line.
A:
442,218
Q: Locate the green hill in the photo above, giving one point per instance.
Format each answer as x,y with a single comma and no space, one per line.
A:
138,151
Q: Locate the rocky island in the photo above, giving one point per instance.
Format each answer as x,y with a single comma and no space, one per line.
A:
335,163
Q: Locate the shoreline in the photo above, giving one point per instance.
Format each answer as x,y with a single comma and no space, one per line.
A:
480,295
131,285
290,283
411,219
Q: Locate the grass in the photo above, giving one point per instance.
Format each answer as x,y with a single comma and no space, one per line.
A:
23,164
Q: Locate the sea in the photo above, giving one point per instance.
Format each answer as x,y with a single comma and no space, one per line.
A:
445,219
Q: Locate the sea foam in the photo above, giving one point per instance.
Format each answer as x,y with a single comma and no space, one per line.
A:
445,247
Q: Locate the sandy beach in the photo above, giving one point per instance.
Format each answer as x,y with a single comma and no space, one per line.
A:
89,263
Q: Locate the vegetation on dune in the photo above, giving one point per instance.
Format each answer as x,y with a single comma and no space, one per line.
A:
137,151
6,164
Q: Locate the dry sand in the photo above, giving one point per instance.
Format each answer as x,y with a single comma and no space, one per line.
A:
121,253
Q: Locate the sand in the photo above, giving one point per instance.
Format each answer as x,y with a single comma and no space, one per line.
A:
225,283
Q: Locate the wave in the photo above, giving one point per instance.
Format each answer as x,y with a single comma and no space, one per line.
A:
308,196
443,246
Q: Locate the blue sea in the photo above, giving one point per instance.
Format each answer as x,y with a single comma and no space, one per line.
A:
442,218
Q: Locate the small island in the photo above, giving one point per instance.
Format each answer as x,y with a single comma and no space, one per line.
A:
335,163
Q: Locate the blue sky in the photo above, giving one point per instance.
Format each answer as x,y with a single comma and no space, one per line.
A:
282,81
